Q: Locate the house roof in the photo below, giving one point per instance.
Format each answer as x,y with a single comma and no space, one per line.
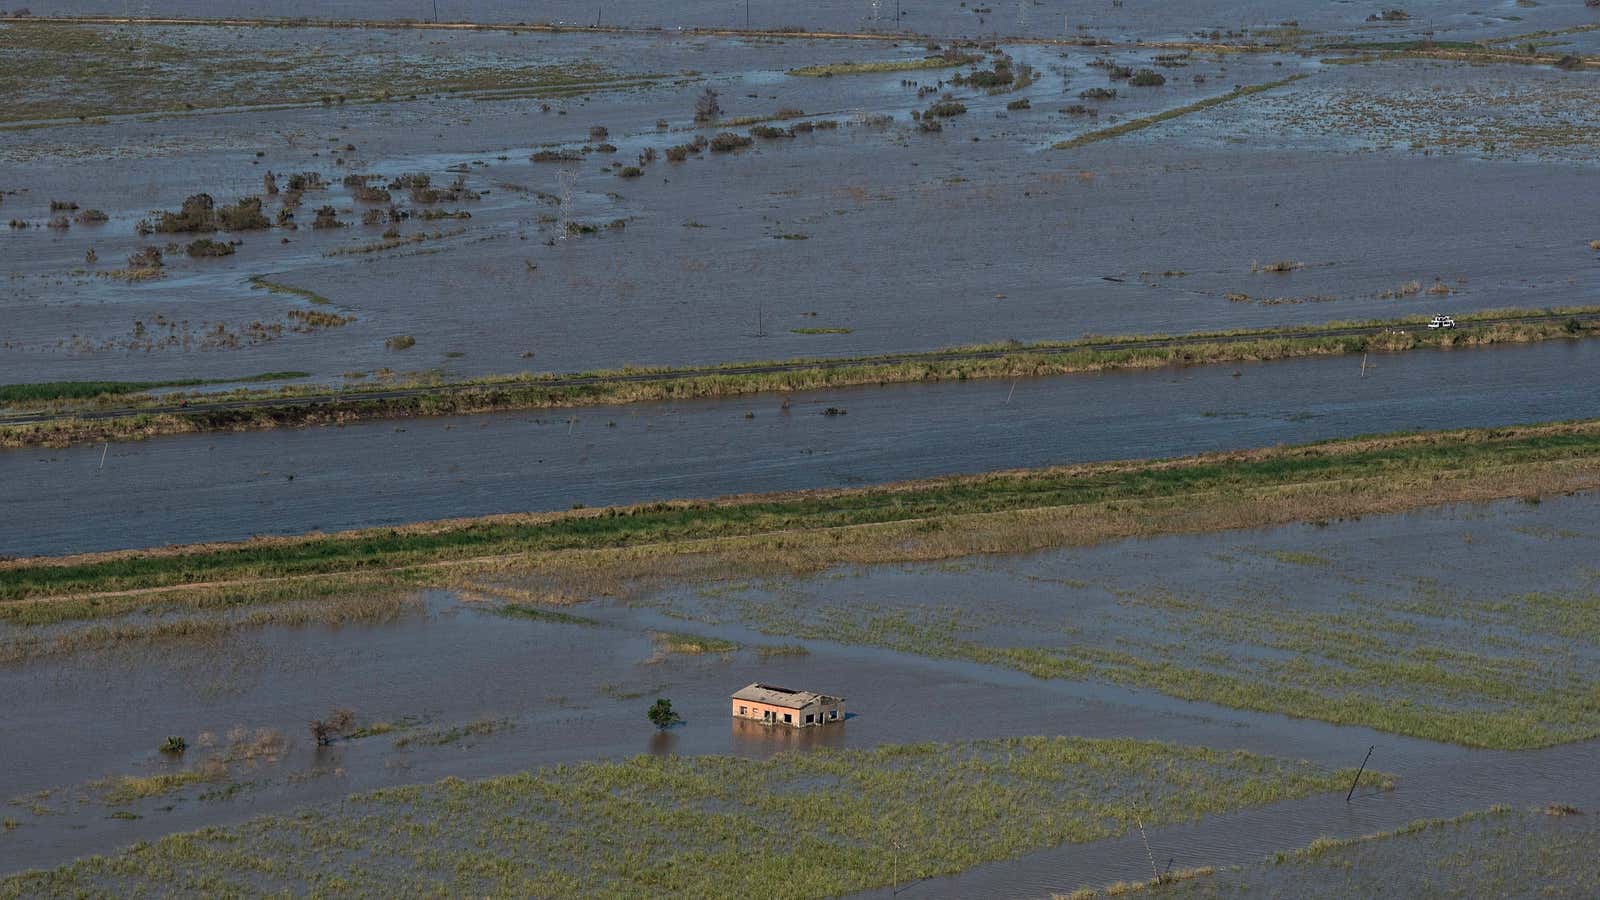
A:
787,698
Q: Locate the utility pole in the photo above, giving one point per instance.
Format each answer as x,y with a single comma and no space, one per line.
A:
435,12
746,15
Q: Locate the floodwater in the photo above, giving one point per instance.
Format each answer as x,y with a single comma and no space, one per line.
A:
230,486
574,692
910,240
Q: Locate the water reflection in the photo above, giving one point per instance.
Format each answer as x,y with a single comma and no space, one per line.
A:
662,743
752,738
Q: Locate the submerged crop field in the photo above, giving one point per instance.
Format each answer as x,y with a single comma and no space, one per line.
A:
827,822
418,421
1497,852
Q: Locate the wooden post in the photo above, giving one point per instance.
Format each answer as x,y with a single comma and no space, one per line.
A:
1154,875
1358,773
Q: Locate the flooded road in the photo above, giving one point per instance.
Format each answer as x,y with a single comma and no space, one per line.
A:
232,486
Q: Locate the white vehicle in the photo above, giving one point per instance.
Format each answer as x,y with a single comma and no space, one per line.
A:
1442,322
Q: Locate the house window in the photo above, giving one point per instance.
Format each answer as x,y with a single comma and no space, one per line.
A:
833,714
809,718
741,710
788,718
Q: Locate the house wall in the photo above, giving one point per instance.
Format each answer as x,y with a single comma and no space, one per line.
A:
755,710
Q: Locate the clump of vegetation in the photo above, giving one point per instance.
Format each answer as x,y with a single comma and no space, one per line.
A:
1282,265
206,247
1439,288
400,342
662,715
327,217
556,156
62,206
198,214
245,215
312,319
727,142
59,223
1409,289
598,133
945,109
692,644
146,258
707,106
1390,15
326,731
1078,109
1019,103
678,153
629,172
769,132
92,217
1147,78
999,76
1098,93
174,746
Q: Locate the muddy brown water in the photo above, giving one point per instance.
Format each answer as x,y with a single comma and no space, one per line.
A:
231,486
572,692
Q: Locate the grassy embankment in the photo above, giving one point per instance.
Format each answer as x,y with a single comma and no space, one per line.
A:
885,65
53,391
1132,125
829,822
529,391
588,551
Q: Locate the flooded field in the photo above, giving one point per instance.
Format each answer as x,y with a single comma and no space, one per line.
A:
460,683
1038,703
874,235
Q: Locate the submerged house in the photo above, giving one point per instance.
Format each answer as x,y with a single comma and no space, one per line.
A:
775,705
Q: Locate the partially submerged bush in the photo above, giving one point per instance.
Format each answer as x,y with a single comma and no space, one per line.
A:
768,132
629,172
366,193
145,258
556,156
1098,93
678,153
1078,109
62,206
1282,265
174,745
707,106
198,214
92,217
1147,78
727,141
327,217
1019,103
944,109
246,215
206,247
400,342
326,731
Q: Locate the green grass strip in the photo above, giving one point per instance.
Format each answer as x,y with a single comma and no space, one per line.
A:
1146,121
46,391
